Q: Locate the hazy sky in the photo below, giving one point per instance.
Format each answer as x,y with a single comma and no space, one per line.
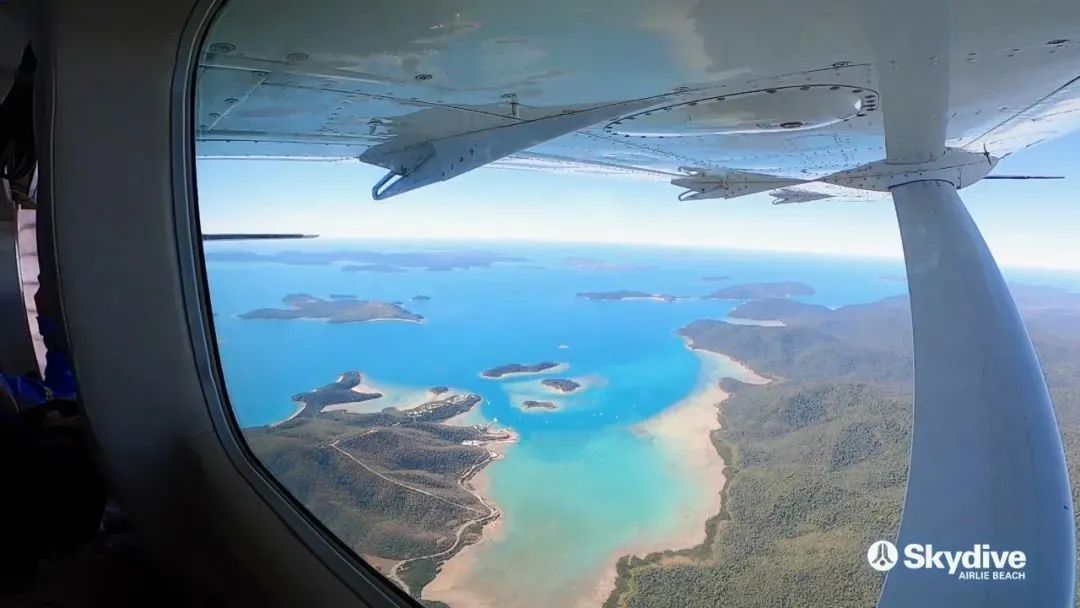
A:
1026,223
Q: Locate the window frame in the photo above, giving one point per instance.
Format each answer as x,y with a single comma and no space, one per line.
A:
363,579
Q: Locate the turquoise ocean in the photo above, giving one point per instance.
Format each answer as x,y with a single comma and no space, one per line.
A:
580,483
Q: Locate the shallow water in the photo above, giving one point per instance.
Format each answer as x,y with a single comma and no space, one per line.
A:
581,482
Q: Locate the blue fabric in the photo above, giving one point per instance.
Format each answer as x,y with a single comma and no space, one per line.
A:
59,378
27,390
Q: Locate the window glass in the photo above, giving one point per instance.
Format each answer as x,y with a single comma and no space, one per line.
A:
547,382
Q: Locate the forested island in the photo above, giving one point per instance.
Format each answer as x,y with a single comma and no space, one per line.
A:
511,369
340,309
563,385
817,459
775,309
393,485
747,291
544,405
349,388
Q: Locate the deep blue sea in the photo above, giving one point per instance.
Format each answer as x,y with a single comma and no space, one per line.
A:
481,317
580,483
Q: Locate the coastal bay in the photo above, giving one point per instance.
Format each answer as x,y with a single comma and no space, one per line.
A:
679,440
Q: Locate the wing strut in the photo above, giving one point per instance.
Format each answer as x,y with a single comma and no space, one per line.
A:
987,465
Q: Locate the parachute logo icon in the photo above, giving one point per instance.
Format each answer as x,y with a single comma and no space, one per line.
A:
882,556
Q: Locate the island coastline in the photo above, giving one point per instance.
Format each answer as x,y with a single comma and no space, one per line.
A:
558,368
685,430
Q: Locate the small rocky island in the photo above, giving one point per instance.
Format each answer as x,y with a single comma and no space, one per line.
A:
716,277
749,291
341,309
624,294
563,385
532,404
513,369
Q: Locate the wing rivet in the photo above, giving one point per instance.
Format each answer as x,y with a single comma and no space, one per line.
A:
841,64
297,57
422,77
222,47
1058,41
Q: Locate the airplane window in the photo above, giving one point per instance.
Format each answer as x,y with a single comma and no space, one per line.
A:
532,373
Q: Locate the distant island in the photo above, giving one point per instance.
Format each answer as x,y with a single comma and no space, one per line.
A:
401,475
624,294
717,277
546,405
421,298
342,309
595,264
561,384
382,268
511,369
749,291
374,261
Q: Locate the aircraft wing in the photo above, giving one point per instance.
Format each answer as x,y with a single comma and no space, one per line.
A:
663,86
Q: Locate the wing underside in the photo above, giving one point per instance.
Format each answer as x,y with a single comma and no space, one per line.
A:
796,98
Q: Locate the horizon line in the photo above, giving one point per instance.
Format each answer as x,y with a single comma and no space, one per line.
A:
697,246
